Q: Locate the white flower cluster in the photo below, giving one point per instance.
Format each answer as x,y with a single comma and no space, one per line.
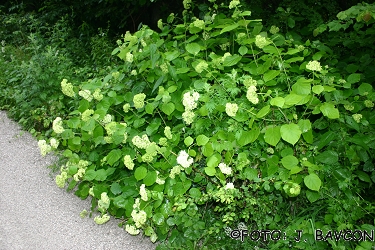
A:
86,115
62,177
252,95
231,109
274,29
44,147
167,132
314,66
225,169
141,142
233,4
159,180
54,143
138,100
369,104
131,229
190,102
107,119
128,162
175,170
202,65
86,94
139,217
97,95
102,219
81,169
229,185
199,24
143,192
133,72
261,41
67,88
349,107
129,57
57,125
126,107
357,117
184,160
103,203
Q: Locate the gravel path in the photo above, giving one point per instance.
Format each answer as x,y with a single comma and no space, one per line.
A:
37,215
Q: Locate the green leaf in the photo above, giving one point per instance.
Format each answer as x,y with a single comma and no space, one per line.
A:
76,140
313,182
290,133
202,140
317,89
229,28
101,175
247,137
250,173
154,126
120,202
214,160
210,171
231,60
292,99
263,112
329,110
150,178
242,50
140,173
116,188
353,78
271,74
302,86
171,55
312,196
272,135
90,175
304,125
158,218
195,193
193,48
277,101
168,108
188,141
328,157
289,161
365,89
114,156
89,125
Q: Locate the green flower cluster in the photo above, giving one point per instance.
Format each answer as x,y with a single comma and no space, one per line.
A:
357,117
231,109
57,125
314,66
261,41
141,142
101,219
128,162
167,132
104,202
86,115
138,100
44,147
86,94
252,95
67,88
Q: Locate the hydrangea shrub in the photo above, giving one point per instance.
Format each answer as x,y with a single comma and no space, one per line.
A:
206,118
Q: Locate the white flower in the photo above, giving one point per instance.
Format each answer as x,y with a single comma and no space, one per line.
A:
314,66
190,99
44,147
128,162
131,229
184,160
251,94
225,169
175,170
86,94
229,185
57,126
138,100
143,192
188,117
233,4
202,65
54,143
261,41
231,109
67,88
139,217
357,117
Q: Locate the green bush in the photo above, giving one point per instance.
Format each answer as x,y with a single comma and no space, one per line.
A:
216,121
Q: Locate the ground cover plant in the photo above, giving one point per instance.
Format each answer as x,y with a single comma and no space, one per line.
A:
216,123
